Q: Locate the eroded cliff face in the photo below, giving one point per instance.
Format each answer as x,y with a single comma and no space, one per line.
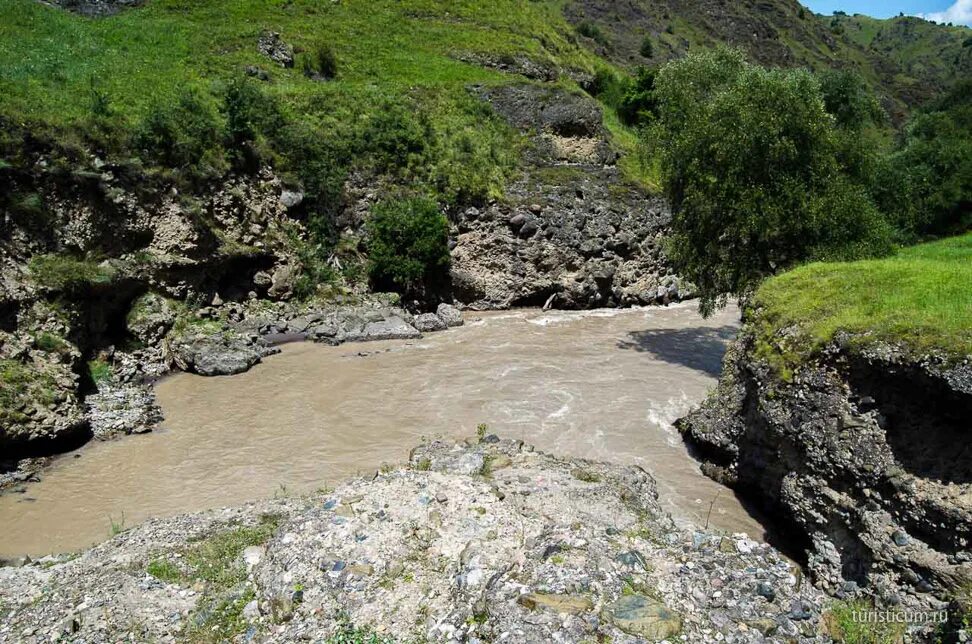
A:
571,232
105,262
864,454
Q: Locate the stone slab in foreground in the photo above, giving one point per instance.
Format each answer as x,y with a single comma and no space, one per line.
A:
485,541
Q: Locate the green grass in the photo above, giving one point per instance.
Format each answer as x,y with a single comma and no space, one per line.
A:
216,561
59,272
99,371
845,625
919,297
21,385
76,78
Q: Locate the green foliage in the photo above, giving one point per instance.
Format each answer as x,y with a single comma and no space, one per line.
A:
59,272
51,343
918,296
849,99
845,624
926,183
638,104
185,134
99,371
632,99
590,30
323,63
647,49
408,246
249,112
751,159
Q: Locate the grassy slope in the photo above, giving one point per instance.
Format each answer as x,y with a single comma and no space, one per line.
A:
50,57
905,59
52,61
920,296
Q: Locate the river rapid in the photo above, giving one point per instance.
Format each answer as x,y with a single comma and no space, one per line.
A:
603,384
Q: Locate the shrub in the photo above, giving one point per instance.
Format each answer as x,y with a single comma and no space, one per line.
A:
590,30
249,113
323,62
408,246
926,183
395,138
848,98
185,135
751,162
638,105
647,49
633,99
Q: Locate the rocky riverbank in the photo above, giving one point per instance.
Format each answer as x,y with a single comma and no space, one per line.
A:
219,339
862,452
486,540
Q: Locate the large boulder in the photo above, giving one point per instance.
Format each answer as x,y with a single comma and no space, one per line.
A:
221,354
429,323
391,328
449,314
273,47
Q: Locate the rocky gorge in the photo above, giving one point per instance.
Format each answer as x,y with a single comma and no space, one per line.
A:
139,240
859,452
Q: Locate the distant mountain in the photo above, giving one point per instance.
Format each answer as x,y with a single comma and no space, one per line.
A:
907,60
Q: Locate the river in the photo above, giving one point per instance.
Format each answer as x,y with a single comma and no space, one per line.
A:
603,384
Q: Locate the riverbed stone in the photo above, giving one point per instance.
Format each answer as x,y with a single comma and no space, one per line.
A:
570,604
644,617
429,322
392,328
449,314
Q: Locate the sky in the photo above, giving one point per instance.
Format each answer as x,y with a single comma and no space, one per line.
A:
955,11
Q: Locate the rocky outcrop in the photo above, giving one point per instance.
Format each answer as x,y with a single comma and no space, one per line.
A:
221,354
483,541
571,232
864,454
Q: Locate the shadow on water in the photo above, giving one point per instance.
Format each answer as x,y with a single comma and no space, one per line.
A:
699,348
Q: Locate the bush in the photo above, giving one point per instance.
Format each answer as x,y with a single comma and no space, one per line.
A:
751,161
926,183
647,49
638,104
633,99
322,63
590,30
249,113
408,246
185,135
848,98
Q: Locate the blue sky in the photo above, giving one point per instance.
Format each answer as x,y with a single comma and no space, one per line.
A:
957,11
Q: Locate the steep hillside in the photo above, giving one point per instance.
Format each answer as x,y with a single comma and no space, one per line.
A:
907,60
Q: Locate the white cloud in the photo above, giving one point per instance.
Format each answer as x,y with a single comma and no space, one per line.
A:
959,13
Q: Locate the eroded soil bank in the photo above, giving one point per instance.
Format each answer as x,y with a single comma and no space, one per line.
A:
604,385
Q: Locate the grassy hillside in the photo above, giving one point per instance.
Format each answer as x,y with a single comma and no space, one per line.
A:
399,76
50,57
920,296
907,60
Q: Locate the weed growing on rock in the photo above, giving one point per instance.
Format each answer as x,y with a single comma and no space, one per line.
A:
164,570
845,622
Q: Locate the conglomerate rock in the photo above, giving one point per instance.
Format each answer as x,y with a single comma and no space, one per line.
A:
486,540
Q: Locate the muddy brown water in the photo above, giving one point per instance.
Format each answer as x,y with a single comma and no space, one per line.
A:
601,384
